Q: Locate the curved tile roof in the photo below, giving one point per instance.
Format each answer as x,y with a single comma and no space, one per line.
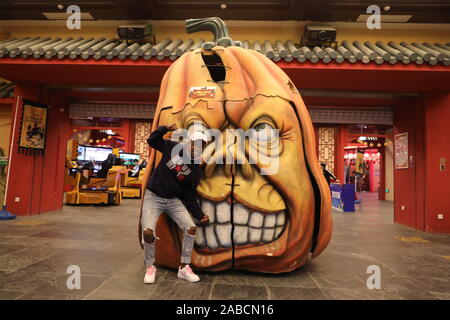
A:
109,48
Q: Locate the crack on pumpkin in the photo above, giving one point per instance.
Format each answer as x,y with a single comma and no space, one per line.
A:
194,105
262,95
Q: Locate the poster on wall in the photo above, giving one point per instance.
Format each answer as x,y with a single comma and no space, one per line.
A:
401,150
33,127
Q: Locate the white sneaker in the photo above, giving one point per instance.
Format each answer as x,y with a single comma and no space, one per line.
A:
187,274
150,275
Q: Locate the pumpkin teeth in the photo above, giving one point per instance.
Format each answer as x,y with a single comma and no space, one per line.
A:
227,171
209,170
250,227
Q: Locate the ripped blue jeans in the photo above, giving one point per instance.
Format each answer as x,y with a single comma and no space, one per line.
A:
152,208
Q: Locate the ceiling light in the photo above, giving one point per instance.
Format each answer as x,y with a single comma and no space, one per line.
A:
60,6
223,6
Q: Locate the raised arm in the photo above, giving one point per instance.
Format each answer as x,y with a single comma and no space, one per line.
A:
156,137
331,175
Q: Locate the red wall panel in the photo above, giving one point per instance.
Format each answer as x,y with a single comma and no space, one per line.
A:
54,158
341,142
406,116
419,164
423,189
38,179
437,141
22,168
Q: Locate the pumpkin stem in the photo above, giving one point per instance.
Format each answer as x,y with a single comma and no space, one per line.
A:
213,24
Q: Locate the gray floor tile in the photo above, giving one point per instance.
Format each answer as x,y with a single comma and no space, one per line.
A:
103,242
289,293
180,289
57,286
23,281
10,294
122,289
225,292
21,258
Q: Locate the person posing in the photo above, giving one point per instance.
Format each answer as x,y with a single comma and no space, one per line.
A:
328,175
172,189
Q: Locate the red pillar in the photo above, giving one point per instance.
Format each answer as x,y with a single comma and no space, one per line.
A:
341,141
22,175
316,135
54,160
128,129
381,189
36,181
409,183
421,191
437,152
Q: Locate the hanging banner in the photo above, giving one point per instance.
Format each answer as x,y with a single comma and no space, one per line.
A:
401,150
34,126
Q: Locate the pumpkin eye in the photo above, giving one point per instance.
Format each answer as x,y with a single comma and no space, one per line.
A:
263,132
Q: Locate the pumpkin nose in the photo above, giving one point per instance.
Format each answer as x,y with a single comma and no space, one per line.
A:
228,151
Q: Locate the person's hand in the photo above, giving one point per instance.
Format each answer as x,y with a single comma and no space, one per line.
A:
204,219
172,127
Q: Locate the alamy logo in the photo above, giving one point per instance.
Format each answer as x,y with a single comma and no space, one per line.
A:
374,20
74,19
74,280
374,280
260,147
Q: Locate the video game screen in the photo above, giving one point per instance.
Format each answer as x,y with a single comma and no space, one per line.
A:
81,153
97,154
129,158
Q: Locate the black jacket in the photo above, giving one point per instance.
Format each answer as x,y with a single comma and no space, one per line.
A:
172,178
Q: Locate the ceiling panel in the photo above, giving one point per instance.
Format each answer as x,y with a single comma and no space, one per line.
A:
422,11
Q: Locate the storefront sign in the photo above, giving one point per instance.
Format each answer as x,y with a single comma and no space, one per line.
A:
401,151
336,190
33,129
336,195
202,92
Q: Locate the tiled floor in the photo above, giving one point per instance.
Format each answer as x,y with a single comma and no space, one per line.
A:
36,251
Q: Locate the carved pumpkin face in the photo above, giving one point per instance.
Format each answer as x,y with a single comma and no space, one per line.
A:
265,223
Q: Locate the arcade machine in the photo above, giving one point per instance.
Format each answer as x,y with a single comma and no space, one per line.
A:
78,176
134,183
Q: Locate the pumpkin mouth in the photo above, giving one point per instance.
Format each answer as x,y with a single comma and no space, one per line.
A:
237,225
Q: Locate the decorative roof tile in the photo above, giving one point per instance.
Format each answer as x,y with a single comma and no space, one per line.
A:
350,51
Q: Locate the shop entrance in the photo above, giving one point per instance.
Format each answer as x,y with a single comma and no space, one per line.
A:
368,161
356,146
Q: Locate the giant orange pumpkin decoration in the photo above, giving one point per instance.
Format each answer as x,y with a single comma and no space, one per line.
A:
264,223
